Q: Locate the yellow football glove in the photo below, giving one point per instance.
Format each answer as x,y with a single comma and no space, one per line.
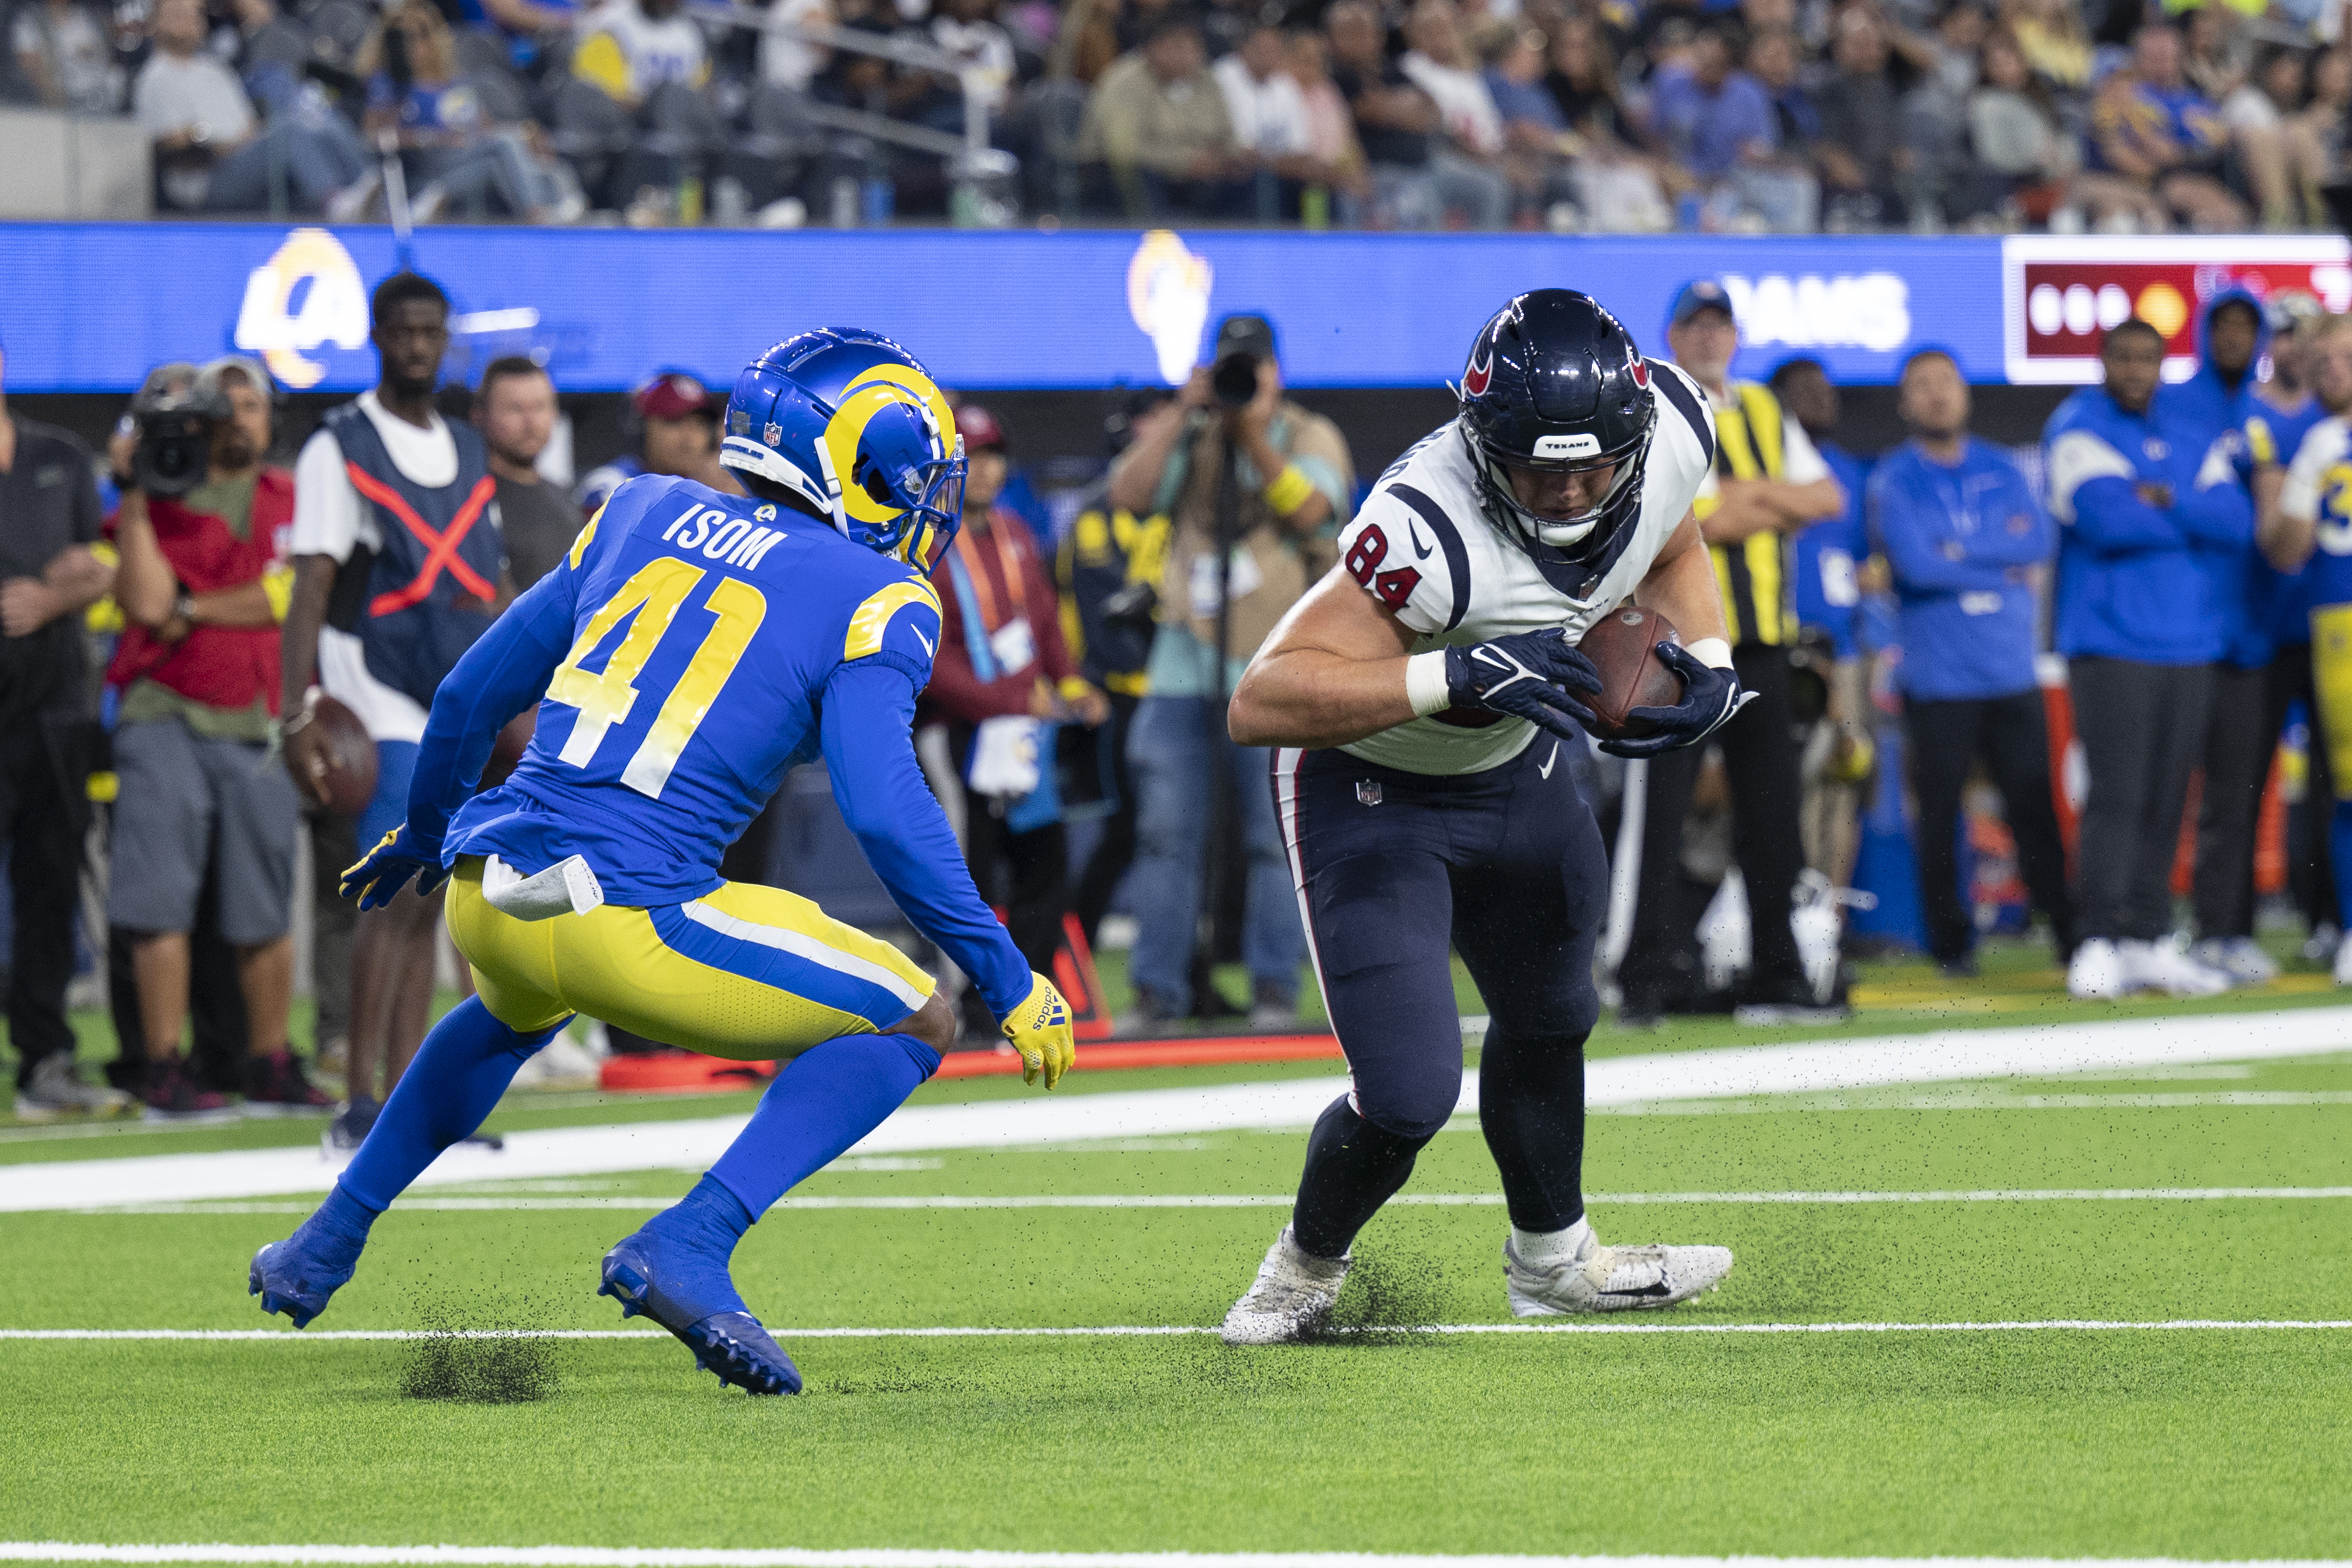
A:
1039,1029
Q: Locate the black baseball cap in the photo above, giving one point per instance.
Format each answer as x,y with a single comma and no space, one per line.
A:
1245,334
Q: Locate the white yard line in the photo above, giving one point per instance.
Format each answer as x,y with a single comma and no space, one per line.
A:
2035,1052
902,1557
1282,1200
1158,1330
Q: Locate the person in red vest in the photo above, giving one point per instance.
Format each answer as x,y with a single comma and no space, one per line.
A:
202,584
1002,670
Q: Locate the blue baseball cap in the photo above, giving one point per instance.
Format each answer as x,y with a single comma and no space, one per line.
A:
1698,295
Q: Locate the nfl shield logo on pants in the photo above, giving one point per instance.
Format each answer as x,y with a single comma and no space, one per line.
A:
1367,792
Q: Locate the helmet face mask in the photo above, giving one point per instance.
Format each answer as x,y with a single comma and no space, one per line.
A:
1555,385
853,426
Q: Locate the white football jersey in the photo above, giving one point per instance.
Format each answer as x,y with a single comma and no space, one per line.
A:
1423,546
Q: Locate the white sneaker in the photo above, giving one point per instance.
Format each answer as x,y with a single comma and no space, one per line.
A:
1291,1296
561,1063
2342,970
1611,1279
2161,965
53,1092
2240,957
2097,972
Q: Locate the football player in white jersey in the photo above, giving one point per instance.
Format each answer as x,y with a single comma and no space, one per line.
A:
1421,698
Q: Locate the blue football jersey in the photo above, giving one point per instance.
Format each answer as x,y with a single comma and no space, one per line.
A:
2273,435
704,629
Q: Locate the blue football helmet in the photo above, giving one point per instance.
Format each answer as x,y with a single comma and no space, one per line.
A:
852,423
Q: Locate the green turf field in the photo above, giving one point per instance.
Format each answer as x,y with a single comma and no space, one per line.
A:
1875,1439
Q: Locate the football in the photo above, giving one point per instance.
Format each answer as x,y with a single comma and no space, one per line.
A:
343,776
1622,645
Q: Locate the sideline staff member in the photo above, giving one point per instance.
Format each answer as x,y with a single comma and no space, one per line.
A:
1769,482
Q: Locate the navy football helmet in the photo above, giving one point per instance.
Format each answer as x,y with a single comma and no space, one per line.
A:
853,425
1555,383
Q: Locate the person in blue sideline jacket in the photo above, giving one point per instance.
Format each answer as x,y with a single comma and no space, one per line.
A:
1965,540
2140,502
2232,336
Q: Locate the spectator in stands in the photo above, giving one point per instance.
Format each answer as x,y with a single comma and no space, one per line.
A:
382,476
634,119
203,580
514,408
2216,57
2212,405
1109,569
1862,153
1827,559
453,156
2325,118
1157,121
789,62
674,419
1295,481
1721,126
2013,134
1471,128
2050,35
1967,542
1768,483
2285,161
1330,129
1269,118
212,153
1619,185
1416,178
532,30
2137,497
48,575
65,57
1003,674
2151,128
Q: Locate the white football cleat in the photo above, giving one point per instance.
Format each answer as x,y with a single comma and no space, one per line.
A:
2161,965
2240,957
2096,971
1611,1279
1290,1298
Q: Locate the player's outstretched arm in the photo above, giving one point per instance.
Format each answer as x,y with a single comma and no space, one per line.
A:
1332,670
505,672
865,726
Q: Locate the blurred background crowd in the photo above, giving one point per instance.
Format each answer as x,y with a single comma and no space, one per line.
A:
1790,116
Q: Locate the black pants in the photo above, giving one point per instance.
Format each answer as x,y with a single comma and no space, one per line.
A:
1024,874
42,821
2310,872
1115,850
2011,735
1506,867
2241,737
1761,759
2143,728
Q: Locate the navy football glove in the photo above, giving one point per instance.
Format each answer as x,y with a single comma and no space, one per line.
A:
1528,674
1710,696
385,870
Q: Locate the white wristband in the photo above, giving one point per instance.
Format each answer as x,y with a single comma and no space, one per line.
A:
1712,652
1424,684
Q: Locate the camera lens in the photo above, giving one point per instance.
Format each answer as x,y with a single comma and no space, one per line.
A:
1234,377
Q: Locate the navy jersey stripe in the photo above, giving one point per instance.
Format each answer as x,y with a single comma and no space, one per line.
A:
1678,393
1449,538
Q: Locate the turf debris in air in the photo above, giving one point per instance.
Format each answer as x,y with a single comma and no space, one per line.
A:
470,1353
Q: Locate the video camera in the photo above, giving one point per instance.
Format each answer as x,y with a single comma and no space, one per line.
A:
173,415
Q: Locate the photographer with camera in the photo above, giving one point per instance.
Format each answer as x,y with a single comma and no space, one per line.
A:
49,519
1256,487
204,583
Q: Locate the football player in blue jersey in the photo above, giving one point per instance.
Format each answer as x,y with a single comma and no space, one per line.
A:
691,648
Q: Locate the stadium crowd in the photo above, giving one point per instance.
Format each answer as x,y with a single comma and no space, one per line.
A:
176,606
1601,115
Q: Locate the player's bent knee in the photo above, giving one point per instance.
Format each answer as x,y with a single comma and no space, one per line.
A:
1416,1112
933,1023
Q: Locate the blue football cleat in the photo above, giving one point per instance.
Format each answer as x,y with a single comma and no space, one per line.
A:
299,1275
689,1293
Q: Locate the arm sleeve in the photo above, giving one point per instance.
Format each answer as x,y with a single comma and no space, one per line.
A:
867,710
2111,518
504,672
2299,494
2217,512
1411,561
1914,547
326,509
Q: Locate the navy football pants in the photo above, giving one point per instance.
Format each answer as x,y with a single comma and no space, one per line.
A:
1394,869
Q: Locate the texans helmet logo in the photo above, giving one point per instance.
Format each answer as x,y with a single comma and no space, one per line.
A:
1474,379
1641,371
